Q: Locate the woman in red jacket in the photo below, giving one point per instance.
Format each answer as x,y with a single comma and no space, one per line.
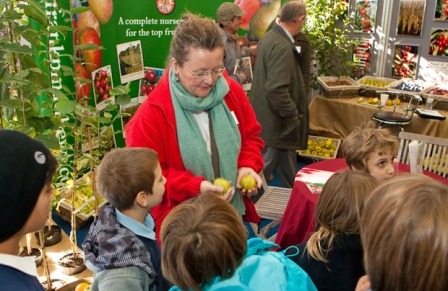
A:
200,122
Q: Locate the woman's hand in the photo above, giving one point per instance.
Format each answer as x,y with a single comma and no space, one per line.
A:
243,171
208,188
363,284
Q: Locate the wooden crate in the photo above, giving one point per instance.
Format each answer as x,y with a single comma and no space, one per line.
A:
328,148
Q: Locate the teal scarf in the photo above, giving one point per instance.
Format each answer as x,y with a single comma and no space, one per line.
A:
192,146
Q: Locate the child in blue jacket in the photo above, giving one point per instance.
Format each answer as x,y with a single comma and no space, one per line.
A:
204,247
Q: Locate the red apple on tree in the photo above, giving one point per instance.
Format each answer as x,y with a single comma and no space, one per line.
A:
92,57
82,89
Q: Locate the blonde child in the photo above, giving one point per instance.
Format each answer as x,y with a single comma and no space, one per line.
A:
333,255
371,150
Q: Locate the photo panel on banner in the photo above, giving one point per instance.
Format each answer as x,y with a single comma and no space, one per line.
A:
102,83
441,11
438,44
411,17
365,16
405,63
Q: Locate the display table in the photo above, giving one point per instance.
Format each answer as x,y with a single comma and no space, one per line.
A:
338,117
298,221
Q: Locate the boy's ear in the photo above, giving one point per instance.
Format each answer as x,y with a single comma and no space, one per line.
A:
142,199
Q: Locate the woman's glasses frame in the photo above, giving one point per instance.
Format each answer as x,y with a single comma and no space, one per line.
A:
203,73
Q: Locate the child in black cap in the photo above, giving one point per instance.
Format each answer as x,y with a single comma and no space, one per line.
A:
26,173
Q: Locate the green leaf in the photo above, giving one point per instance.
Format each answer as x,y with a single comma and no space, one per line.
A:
15,48
11,103
65,106
35,11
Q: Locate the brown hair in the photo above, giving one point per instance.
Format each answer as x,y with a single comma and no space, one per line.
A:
194,32
125,172
339,209
404,234
201,239
361,142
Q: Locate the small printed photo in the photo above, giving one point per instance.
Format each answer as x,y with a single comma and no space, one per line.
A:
362,53
410,17
150,80
365,16
130,61
405,62
438,43
102,83
128,110
441,12
244,66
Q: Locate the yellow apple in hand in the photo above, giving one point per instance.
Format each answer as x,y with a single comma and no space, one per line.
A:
224,183
247,182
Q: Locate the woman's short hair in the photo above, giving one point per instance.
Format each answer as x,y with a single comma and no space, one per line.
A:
404,232
194,32
125,172
201,239
363,141
339,209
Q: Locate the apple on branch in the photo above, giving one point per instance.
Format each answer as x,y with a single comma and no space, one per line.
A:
82,89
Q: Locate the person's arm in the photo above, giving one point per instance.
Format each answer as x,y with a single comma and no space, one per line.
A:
129,279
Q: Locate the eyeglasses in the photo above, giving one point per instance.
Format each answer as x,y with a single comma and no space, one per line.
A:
203,73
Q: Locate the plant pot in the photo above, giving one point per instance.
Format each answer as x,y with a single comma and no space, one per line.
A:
72,285
56,284
53,235
71,265
37,253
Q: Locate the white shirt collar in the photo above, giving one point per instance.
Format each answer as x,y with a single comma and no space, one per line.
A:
24,264
288,34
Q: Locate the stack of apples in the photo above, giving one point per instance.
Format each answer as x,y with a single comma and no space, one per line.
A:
87,33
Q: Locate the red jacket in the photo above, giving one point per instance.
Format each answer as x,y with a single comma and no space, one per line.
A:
154,126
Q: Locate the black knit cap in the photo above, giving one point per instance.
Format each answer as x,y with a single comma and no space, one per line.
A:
23,168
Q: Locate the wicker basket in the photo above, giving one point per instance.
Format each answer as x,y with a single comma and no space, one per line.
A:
347,90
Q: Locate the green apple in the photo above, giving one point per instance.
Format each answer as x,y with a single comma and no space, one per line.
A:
224,183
